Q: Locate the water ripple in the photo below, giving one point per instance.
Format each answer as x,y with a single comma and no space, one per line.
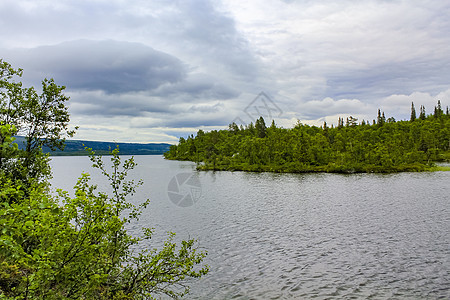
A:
314,236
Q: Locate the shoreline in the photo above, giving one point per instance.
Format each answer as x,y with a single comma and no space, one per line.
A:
336,169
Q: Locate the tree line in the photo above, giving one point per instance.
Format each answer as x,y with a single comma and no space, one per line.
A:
73,247
383,145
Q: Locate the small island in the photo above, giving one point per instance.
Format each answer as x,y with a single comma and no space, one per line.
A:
381,146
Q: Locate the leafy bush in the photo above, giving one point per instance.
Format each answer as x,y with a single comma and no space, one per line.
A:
63,247
78,248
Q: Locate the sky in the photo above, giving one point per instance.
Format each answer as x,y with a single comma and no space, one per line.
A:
153,70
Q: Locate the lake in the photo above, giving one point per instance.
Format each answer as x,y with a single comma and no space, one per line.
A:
298,236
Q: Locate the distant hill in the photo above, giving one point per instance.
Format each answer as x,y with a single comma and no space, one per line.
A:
77,147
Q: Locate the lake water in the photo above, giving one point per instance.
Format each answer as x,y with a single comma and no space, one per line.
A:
299,236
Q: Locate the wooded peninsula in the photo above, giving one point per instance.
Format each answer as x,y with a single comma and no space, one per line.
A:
381,146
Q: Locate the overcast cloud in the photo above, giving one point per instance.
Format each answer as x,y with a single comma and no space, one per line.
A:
153,70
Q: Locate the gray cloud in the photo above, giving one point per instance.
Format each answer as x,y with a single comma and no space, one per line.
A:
316,109
377,81
112,78
110,66
187,119
127,105
211,38
139,104
197,86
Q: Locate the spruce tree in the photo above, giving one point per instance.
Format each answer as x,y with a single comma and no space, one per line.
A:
413,112
381,119
352,121
422,115
273,125
260,126
340,122
438,110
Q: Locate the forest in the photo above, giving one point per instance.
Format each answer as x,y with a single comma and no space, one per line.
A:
381,146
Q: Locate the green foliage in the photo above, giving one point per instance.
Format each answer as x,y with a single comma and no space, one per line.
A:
78,248
422,114
413,113
438,112
260,127
42,118
63,247
385,146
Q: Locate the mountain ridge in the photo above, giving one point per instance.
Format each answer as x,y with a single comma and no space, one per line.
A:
77,148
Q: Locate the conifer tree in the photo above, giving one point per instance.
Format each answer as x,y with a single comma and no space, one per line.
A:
413,112
422,115
340,122
325,129
381,119
273,125
438,110
352,121
261,128
233,128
